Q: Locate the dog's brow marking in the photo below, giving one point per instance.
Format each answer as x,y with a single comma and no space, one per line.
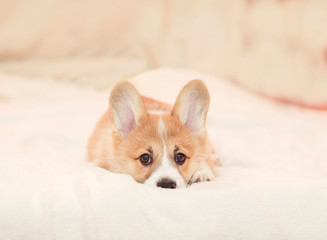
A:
162,130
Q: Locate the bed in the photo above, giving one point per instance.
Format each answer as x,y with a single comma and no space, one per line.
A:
272,182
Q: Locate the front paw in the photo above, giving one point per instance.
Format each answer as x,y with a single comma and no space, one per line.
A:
202,176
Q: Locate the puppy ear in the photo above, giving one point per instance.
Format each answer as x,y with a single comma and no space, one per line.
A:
127,107
192,105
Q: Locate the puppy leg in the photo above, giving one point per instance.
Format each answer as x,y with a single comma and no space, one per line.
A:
204,174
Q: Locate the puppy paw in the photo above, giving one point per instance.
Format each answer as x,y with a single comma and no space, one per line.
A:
202,176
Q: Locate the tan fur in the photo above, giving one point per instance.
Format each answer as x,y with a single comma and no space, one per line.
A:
108,149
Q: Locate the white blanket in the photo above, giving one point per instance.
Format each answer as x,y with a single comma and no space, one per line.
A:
272,183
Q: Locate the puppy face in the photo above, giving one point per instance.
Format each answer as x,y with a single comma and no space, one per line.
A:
159,150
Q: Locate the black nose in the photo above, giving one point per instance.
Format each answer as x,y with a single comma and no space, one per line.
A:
166,183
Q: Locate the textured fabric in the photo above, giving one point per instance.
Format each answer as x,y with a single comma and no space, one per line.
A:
272,183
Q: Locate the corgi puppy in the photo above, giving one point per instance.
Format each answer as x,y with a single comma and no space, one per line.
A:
157,144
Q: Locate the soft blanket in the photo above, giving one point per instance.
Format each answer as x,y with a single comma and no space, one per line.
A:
272,183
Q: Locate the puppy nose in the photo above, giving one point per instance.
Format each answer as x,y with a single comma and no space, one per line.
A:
166,183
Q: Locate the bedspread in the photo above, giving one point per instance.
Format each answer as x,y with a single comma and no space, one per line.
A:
272,182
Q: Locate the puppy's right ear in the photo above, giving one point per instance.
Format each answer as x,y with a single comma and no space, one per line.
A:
127,107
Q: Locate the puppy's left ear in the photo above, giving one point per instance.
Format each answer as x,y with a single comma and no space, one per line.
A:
192,105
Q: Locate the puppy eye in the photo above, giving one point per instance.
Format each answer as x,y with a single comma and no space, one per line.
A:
145,159
180,158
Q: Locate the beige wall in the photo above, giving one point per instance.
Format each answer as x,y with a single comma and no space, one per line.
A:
276,47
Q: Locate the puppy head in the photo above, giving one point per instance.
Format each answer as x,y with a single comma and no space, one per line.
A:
159,150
